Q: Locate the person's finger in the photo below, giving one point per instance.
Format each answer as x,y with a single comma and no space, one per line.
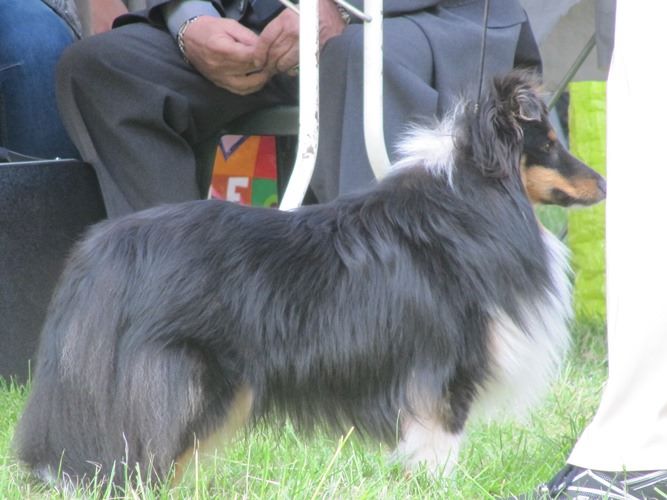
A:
280,36
214,45
243,85
232,50
242,34
283,54
261,51
286,59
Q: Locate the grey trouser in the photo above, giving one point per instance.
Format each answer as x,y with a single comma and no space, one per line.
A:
145,119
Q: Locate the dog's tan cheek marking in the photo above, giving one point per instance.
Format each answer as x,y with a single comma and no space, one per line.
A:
533,196
541,180
237,416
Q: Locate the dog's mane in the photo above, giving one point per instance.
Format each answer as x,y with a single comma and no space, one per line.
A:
431,145
487,135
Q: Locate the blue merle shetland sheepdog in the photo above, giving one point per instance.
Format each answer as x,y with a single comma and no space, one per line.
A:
398,311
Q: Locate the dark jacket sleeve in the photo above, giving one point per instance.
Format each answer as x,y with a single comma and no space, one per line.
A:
235,8
153,13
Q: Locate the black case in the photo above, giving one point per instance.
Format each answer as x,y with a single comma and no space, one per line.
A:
45,205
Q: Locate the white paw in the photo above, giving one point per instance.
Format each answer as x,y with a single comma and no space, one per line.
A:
426,443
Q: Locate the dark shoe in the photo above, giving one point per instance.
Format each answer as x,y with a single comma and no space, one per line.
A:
574,482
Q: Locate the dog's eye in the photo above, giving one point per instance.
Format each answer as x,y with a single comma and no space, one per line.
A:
547,146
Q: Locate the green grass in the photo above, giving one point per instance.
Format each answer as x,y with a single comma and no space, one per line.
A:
273,462
554,218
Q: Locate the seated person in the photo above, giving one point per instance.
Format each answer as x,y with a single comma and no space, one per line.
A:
33,35
145,102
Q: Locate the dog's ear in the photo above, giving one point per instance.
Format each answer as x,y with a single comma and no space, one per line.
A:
527,105
496,125
517,92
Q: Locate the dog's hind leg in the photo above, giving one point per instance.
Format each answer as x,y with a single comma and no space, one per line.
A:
167,399
237,415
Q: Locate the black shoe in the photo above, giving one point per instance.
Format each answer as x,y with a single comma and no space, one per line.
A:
574,482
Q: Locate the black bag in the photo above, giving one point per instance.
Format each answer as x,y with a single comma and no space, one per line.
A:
45,205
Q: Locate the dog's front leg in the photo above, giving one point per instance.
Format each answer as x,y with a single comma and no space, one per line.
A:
426,442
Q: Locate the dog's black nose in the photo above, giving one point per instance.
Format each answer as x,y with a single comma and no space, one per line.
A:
602,186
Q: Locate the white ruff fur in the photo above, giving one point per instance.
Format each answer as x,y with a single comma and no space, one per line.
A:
523,366
426,443
525,363
429,147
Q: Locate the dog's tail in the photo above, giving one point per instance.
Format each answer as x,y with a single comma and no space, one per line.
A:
112,398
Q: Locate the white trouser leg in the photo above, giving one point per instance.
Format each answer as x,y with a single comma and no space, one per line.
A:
629,430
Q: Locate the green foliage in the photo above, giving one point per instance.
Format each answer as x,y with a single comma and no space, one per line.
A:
587,227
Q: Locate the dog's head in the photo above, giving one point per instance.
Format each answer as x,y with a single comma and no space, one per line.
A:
511,130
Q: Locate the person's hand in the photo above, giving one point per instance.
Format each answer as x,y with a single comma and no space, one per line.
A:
103,12
331,22
280,41
280,38
226,53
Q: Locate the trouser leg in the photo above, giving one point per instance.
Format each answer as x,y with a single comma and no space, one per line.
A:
32,37
629,430
146,120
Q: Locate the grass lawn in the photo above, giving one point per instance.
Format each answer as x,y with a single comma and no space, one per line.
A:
497,458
